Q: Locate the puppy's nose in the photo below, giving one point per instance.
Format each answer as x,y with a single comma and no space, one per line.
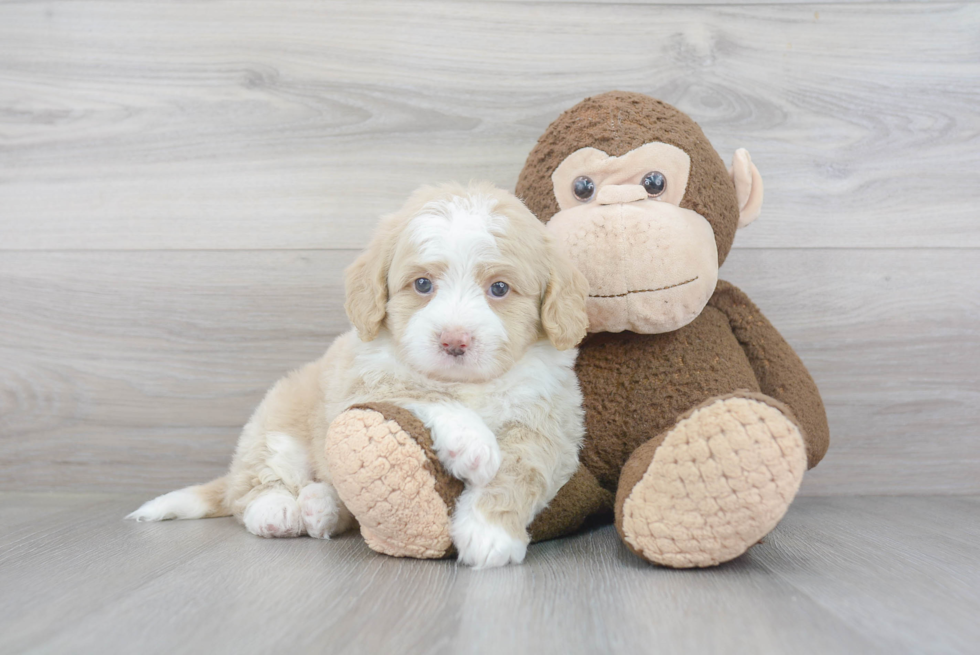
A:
611,194
455,342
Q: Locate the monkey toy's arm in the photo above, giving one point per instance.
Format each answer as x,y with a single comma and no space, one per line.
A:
777,367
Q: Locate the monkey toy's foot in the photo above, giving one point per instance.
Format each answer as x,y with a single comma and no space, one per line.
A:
384,469
713,485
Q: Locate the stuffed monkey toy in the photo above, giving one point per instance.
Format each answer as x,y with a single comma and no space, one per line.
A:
700,418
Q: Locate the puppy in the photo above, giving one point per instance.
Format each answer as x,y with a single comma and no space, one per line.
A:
466,315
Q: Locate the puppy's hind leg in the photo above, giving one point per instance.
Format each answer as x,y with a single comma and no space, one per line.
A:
324,514
272,511
271,508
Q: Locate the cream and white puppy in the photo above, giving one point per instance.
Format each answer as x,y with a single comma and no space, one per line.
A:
466,315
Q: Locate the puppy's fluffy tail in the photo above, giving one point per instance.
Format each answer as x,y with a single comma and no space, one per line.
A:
197,502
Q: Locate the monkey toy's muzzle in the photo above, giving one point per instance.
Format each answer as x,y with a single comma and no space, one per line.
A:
651,265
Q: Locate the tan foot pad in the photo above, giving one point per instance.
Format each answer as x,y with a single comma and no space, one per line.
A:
386,479
721,480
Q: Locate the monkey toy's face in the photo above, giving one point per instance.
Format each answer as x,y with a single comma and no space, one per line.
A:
635,194
651,265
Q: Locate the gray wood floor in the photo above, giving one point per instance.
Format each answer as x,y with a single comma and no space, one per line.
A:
838,575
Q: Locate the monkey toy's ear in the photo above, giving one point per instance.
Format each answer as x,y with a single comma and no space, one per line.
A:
748,187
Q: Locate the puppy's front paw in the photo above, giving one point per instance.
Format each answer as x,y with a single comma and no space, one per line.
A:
482,544
324,515
273,514
469,451
475,463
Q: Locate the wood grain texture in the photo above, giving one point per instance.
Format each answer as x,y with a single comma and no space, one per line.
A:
135,370
233,124
842,575
182,184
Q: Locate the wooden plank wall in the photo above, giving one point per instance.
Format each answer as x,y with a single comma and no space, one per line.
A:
181,185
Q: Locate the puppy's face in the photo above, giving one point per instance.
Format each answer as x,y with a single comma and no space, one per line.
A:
469,281
459,307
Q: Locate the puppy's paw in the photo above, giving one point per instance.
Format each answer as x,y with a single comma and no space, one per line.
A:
324,515
475,463
273,514
482,544
469,451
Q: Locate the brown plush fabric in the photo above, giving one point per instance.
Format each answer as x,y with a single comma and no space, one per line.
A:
777,367
448,487
580,500
639,385
616,123
636,386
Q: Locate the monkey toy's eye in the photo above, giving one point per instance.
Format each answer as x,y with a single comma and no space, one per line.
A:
423,285
655,183
499,289
583,188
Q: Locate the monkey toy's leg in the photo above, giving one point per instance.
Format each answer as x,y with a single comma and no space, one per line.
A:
385,470
383,459
709,488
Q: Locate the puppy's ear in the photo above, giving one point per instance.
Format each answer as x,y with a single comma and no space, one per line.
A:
366,281
563,314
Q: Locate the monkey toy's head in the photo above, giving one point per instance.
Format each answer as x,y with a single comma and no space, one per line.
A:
642,203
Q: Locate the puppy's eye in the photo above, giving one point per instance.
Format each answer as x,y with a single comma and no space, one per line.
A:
423,285
499,289
583,188
655,183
